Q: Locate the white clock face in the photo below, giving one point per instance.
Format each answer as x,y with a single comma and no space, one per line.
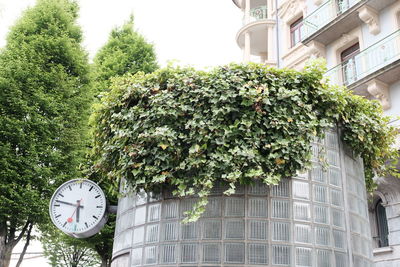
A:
78,208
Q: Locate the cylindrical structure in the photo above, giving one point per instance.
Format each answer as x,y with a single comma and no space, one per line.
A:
316,219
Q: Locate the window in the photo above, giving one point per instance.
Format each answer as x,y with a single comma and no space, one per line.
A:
349,64
382,226
295,31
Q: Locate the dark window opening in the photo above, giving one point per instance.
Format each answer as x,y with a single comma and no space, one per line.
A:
295,31
382,226
349,64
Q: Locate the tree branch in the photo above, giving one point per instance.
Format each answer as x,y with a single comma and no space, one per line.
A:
28,238
11,235
14,241
82,254
4,232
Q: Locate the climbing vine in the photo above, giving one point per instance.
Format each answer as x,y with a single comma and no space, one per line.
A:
234,124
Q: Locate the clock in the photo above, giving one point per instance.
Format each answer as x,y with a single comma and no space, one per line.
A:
78,208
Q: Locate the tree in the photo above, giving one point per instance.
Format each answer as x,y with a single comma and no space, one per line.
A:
65,251
125,52
44,99
102,242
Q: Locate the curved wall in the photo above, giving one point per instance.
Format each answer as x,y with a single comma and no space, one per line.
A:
318,218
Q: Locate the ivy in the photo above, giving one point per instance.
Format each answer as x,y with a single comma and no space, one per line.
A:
234,124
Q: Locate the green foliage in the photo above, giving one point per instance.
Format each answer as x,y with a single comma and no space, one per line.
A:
102,242
44,100
237,123
126,51
65,251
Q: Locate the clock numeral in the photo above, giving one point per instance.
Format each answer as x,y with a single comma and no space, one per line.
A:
91,188
61,195
64,224
87,226
56,205
58,215
99,207
94,217
70,189
80,186
97,196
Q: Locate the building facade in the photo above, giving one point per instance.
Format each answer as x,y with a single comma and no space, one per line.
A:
360,40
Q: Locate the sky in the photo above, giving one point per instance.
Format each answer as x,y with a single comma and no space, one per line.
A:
193,32
200,33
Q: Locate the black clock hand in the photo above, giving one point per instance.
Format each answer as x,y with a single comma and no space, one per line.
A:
68,203
78,203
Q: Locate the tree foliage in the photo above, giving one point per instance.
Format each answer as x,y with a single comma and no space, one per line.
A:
126,51
192,129
44,97
65,251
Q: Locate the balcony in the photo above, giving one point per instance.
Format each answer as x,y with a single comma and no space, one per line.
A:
336,17
256,36
381,61
323,17
256,14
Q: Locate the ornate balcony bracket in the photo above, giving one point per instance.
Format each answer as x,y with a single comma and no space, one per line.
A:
371,17
316,49
380,91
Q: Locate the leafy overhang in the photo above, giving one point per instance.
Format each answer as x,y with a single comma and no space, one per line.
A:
234,124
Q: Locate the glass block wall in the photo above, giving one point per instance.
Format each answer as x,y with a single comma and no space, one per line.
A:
318,218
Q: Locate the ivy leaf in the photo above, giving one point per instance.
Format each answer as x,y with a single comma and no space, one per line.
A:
163,146
194,149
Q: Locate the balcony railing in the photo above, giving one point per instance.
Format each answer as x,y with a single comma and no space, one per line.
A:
369,60
327,12
257,13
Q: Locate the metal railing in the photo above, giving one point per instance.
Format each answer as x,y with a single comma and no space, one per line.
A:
371,59
257,13
324,14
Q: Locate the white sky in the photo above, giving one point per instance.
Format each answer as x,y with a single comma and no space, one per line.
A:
195,32
192,32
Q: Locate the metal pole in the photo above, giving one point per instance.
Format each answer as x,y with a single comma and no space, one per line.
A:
277,34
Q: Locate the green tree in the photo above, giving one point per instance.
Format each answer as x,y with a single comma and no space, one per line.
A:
65,251
125,52
102,242
44,99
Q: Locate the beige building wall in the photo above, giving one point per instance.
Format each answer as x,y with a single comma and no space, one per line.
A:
360,40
